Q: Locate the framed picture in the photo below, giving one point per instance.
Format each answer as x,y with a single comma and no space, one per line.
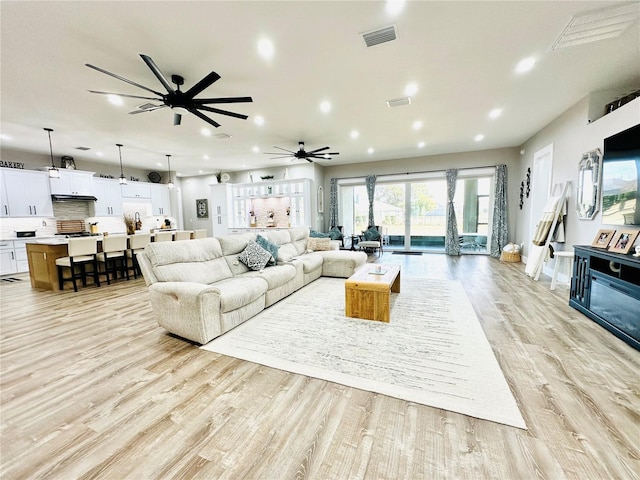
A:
623,241
202,208
603,238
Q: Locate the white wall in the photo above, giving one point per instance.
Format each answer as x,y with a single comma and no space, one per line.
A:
571,136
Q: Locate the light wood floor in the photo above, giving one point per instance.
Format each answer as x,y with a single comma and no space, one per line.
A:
91,387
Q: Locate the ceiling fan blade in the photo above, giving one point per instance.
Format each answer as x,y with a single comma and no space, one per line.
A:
156,71
202,84
319,157
222,112
203,117
101,70
127,96
223,100
143,110
319,150
282,156
280,148
177,119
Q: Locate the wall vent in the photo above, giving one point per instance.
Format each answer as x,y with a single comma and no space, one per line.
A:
381,35
398,102
597,25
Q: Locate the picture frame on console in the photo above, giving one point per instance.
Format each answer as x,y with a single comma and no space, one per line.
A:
603,238
623,241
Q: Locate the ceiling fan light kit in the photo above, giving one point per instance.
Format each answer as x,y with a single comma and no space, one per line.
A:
302,154
180,102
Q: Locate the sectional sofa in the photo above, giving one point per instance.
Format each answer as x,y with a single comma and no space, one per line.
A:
200,289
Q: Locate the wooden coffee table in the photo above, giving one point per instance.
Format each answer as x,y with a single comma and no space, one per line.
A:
367,293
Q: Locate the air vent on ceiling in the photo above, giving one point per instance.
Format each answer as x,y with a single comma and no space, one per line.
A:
381,35
83,148
597,25
398,102
222,136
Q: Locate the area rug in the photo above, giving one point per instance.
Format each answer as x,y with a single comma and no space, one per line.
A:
433,352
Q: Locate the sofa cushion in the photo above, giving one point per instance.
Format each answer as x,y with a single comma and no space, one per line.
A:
287,252
318,244
274,276
310,262
234,244
270,247
254,256
239,291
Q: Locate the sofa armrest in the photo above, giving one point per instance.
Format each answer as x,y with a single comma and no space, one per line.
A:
190,310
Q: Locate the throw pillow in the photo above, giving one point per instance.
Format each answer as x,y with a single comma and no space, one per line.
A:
270,247
318,244
315,234
372,234
254,256
335,234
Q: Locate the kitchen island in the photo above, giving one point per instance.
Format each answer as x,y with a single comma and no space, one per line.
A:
42,255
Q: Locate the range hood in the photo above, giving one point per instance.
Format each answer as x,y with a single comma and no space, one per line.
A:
77,198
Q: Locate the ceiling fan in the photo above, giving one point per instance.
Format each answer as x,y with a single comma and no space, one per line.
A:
176,99
302,154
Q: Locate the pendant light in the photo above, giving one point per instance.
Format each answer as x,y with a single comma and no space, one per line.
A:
122,180
53,171
170,184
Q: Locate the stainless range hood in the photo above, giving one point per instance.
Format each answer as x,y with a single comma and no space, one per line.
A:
76,198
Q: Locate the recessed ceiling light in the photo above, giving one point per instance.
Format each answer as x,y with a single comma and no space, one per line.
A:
255,149
200,171
370,150
495,113
410,89
4,136
355,134
394,7
205,131
525,65
417,125
205,156
115,99
265,48
158,164
99,154
479,137
421,144
325,106
259,120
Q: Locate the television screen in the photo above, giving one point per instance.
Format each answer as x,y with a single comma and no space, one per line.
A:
621,178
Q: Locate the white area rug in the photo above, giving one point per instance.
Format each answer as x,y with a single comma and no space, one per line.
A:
433,352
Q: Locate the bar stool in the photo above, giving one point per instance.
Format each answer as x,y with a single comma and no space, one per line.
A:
81,252
561,259
182,235
163,237
114,256
199,234
136,245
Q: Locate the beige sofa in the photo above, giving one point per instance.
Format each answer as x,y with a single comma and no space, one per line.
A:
199,289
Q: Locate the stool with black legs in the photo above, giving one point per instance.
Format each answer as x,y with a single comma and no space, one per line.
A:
82,251
114,256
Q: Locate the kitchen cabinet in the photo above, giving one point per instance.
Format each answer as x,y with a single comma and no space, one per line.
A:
160,199
28,193
109,198
136,190
72,182
220,208
8,264
4,200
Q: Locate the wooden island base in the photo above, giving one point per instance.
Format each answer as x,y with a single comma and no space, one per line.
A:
367,294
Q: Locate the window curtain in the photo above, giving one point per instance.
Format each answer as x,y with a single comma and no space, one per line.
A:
500,230
451,241
371,189
333,203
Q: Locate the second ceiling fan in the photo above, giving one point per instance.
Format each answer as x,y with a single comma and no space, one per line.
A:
302,154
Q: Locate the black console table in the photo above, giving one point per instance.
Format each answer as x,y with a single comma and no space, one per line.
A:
605,286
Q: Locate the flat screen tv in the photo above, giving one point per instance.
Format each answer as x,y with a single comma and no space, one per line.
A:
621,178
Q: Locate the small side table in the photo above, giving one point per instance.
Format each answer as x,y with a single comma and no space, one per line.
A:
561,259
353,241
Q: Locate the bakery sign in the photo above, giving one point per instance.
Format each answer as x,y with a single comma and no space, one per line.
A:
11,164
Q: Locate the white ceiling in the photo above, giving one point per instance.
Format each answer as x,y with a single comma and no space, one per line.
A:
461,55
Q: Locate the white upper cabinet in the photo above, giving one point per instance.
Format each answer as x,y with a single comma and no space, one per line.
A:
4,199
27,194
109,197
160,199
136,190
72,182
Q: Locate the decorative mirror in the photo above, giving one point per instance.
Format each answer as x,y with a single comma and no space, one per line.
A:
588,188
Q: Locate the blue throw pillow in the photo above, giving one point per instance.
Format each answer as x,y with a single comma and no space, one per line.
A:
314,234
270,247
335,234
372,234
